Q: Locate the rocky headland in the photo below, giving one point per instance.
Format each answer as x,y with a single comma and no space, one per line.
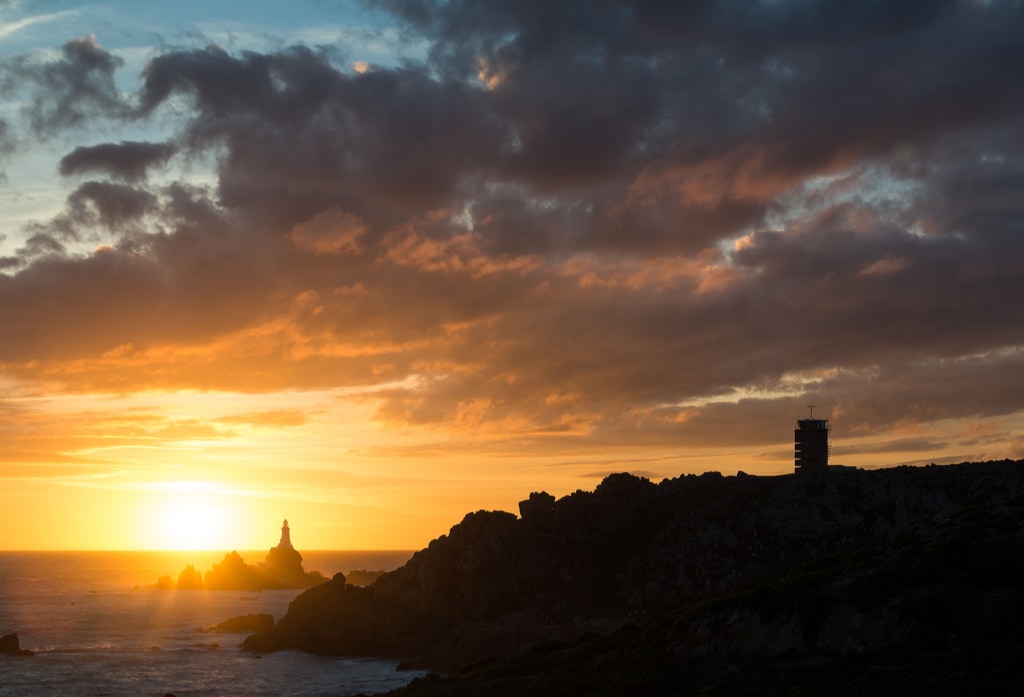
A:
846,582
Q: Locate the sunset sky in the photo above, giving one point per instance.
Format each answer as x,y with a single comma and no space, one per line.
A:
370,266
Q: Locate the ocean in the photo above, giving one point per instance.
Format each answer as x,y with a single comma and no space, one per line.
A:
99,630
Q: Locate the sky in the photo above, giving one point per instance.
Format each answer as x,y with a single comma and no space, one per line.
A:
371,266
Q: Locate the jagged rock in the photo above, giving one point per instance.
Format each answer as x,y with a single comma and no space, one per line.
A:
190,579
538,510
363,577
165,583
285,561
283,569
11,646
252,622
232,573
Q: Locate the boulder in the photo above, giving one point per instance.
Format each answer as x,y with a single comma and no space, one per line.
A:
253,622
11,646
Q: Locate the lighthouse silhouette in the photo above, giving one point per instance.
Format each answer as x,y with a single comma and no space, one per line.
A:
286,536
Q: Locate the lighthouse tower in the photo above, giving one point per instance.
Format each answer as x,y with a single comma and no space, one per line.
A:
286,537
811,451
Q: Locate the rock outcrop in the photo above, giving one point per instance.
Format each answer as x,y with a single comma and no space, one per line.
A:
10,645
252,622
363,577
189,579
282,569
854,563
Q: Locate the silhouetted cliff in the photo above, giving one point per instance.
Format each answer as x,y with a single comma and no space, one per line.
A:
656,579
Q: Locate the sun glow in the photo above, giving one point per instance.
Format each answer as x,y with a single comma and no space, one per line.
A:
194,515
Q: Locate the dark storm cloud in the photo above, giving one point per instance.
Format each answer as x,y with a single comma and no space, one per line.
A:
734,102
110,205
39,244
91,213
575,218
80,302
127,160
69,91
302,136
876,399
184,289
855,296
6,138
6,146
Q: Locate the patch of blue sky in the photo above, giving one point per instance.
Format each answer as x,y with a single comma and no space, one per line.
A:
136,32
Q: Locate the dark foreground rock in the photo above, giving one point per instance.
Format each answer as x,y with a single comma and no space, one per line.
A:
853,582
363,577
11,646
252,622
936,612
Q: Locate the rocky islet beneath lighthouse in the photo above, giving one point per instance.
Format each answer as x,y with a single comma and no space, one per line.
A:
281,569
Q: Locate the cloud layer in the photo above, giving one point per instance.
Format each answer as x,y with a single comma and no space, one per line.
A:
629,222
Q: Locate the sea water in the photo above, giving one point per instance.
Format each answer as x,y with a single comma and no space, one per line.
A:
100,628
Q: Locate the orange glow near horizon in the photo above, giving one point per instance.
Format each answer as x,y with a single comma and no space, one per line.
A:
219,471
213,471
